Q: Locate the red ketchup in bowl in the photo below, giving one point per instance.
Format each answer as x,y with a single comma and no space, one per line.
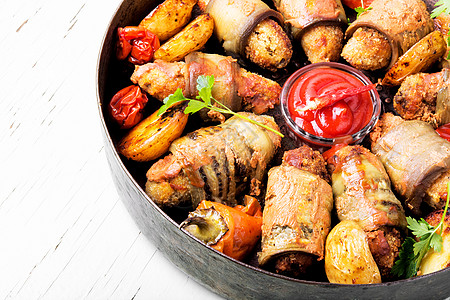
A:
337,118
444,131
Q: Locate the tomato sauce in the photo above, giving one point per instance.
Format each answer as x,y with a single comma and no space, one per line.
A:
344,117
444,131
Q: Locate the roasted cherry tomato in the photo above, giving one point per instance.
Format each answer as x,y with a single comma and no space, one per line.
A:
137,44
357,3
126,106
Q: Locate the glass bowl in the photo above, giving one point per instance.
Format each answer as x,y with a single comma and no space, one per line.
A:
300,136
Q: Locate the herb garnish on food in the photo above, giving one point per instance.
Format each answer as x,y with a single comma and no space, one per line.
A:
412,251
203,100
442,6
360,10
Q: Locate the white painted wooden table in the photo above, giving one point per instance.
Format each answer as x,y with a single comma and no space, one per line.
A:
64,233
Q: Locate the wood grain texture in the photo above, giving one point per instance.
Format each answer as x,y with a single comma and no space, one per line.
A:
64,233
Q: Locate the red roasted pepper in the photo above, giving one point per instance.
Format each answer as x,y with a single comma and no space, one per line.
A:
126,106
244,227
137,44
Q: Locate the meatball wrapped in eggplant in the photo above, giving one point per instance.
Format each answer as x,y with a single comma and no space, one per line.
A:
233,231
215,163
425,97
250,29
379,36
416,158
317,24
362,193
297,213
236,88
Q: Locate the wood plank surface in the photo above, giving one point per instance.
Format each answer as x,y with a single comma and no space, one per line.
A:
64,233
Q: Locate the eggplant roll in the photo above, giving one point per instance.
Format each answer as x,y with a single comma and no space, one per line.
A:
297,213
425,97
236,88
240,24
215,163
401,22
362,193
362,190
416,158
318,25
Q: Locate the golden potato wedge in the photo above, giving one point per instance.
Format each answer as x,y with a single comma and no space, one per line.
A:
168,18
434,261
153,136
418,58
192,38
348,258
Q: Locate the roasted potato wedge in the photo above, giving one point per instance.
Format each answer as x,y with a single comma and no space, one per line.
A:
168,18
434,261
192,38
347,256
153,136
418,58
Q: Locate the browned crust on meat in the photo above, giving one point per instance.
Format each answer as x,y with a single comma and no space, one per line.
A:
160,78
258,94
403,22
323,43
416,97
385,246
268,46
307,159
293,264
384,125
367,49
435,217
348,152
436,194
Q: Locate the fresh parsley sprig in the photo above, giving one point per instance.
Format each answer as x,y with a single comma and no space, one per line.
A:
204,100
360,10
412,251
442,6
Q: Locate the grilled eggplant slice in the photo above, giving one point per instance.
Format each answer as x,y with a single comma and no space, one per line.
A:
215,163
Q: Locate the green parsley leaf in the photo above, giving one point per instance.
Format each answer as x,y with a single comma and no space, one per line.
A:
194,106
203,100
360,10
171,100
442,6
412,252
436,242
405,265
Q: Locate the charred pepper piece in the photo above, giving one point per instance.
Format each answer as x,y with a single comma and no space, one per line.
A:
233,231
